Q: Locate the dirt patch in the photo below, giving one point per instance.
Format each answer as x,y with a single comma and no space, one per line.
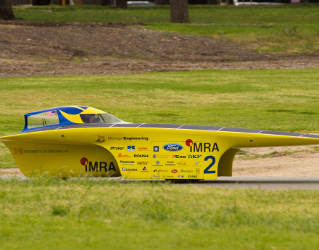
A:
10,172
296,161
28,49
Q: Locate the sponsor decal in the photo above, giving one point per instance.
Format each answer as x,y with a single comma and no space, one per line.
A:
116,148
129,169
179,156
130,148
170,163
140,155
160,170
181,176
157,164
100,138
160,156
127,162
156,148
120,155
142,148
192,176
174,171
135,138
189,142
201,146
187,171
114,138
39,151
56,151
181,163
172,147
194,156
31,151
97,166
141,163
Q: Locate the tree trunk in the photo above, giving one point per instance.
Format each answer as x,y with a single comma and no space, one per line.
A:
43,2
121,4
160,2
179,11
6,12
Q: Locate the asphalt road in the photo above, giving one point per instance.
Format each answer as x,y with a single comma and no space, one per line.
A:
264,182
272,183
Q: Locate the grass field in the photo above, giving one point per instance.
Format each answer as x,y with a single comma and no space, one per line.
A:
263,99
104,214
86,214
277,29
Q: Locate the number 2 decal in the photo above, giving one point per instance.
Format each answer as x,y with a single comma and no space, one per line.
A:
207,170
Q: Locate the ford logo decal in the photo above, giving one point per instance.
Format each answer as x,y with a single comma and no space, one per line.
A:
173,147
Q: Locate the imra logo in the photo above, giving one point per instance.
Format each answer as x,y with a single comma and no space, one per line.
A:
97,166
201,146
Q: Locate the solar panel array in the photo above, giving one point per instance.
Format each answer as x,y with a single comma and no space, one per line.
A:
175,126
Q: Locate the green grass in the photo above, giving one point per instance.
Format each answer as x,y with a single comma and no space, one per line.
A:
86,214
278,29
263,99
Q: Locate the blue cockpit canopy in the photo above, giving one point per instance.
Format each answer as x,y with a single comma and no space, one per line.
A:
69,115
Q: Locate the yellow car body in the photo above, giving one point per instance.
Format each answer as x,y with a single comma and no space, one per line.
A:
64,142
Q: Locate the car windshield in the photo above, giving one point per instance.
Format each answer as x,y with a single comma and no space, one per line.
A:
100,118
43,119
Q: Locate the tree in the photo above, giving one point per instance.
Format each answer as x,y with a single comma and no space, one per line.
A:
121,4
6,12
179,11
43,2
